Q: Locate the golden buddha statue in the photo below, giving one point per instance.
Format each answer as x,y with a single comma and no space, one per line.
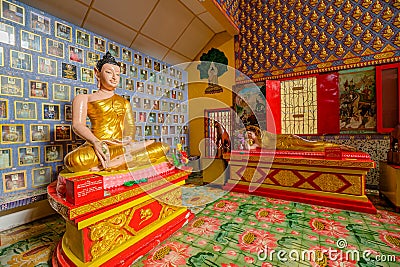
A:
110,142
264,139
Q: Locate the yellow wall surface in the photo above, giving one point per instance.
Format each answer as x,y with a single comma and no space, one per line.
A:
198,100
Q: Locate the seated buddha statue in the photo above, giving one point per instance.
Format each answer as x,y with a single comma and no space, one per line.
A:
264,139
110,143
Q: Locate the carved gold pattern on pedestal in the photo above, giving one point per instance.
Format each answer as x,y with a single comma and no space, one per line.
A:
122,196
108,234
145,215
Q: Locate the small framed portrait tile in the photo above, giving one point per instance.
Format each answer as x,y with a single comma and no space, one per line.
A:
83,38
81,91
63,31
92,58
75,54
12,133
5,158
87,75
40,23
137,59
140,87
62,132
54,48
123,67
61,92
24,110
51,111
148,63
69,71
28,155
31,41
114,50
53,153
4,111
47,66
157,66
41,176
99,44
137,102
38,89
133,71
126,55
7,34
40,132
71,147
129,85
143,74
12,12
20,60
68,112
14,181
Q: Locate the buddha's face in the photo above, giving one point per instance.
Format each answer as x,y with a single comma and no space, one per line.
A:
109,76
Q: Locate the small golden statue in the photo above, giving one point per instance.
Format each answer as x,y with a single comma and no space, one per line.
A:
110,142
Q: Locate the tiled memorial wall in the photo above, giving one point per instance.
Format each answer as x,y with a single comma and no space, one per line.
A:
45,62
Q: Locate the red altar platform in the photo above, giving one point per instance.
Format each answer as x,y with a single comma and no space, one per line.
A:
123,226
308,177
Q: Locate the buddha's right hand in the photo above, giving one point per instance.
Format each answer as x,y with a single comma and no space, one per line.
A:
102,152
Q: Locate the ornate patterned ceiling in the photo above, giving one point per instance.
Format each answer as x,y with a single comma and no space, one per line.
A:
283,38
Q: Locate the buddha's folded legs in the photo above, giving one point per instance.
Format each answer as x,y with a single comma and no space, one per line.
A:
84,157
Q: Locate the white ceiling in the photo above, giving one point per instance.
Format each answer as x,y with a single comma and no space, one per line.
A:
174,31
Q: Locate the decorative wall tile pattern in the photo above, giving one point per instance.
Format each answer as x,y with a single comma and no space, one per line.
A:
45,63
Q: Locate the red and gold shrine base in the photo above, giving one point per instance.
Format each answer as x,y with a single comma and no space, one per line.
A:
301,176
118,229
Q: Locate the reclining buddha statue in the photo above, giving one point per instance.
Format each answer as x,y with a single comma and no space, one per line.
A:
110,143
264,139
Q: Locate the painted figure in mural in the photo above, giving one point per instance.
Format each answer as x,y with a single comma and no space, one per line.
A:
263,139
212,74
110,142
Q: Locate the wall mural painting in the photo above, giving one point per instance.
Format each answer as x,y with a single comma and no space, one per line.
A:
357,100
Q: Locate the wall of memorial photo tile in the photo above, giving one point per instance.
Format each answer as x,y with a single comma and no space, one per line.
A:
45,62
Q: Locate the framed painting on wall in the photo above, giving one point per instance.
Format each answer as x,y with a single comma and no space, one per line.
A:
12,12
14,181
40,23
12,133
24,110
7,34
63,31
40,132
28,155
357,100
20,60
31,41
41,176
54,48
5,158
4,109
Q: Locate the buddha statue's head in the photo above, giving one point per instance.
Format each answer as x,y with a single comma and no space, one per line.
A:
107,58
107,72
